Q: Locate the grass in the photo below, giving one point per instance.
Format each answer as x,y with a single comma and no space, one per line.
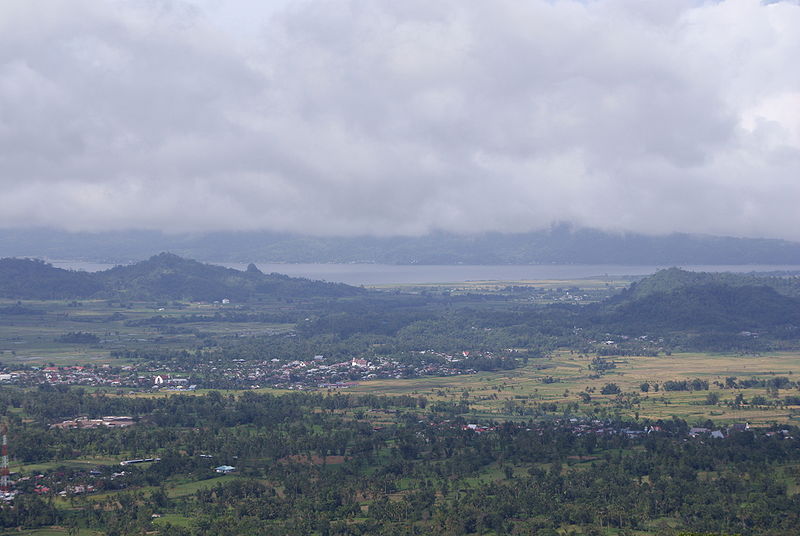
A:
189,488
174,519
84,463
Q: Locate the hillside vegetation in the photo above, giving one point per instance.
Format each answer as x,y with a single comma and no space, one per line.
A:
704,311
674,278
164,276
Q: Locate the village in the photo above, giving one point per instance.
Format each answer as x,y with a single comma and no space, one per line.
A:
314,373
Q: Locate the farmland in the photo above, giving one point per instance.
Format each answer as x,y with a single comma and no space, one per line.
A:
560,379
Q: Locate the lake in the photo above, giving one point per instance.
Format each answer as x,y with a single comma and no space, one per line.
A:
384,274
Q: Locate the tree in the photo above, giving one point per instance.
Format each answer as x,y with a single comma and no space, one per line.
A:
610,389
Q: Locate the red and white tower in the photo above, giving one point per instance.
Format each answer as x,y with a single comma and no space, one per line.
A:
5,483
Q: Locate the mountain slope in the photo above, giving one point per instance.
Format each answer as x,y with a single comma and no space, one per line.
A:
674,278
712,306
164,276
678,300
35,279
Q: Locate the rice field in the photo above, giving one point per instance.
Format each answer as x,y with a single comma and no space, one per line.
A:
561,379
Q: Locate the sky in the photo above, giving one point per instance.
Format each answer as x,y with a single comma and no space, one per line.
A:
370,117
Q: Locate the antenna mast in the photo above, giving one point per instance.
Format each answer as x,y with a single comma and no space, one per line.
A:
5,484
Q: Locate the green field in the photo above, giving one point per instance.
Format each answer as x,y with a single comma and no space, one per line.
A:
490,393
86,462
182,489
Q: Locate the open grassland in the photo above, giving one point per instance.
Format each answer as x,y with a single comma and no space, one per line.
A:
561,379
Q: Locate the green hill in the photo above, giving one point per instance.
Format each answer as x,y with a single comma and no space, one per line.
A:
721,307
712,307
674,278
164,276
36,279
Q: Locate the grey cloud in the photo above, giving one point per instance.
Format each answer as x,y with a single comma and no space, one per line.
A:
352,117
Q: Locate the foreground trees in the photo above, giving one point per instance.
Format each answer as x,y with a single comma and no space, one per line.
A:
307,463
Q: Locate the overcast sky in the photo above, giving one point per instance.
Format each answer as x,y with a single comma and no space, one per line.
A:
401,117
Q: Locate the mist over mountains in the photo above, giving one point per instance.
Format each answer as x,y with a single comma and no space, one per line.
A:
561,244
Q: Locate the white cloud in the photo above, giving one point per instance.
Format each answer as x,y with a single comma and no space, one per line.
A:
350,117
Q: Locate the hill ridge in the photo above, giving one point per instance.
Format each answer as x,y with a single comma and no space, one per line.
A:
162,276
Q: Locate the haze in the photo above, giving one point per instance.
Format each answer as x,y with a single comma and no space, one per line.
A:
385,118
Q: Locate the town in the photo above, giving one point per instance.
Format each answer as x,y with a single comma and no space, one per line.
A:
314,373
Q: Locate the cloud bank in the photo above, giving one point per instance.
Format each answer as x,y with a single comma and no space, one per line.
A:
359,117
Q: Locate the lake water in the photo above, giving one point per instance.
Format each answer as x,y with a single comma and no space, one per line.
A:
380,274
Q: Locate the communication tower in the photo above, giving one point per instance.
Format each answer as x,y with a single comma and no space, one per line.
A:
5,483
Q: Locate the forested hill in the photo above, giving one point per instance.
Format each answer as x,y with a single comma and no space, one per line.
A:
712,306
725,303
674,278
164,276
37,280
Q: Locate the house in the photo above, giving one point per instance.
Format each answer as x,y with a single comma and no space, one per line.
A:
118,422
177,381
139,460
225,469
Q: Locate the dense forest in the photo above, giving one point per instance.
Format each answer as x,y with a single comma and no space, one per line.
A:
319,464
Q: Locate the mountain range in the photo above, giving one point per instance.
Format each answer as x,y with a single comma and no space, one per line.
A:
560,244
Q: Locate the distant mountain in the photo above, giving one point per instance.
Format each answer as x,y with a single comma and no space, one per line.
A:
561,244
164,276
